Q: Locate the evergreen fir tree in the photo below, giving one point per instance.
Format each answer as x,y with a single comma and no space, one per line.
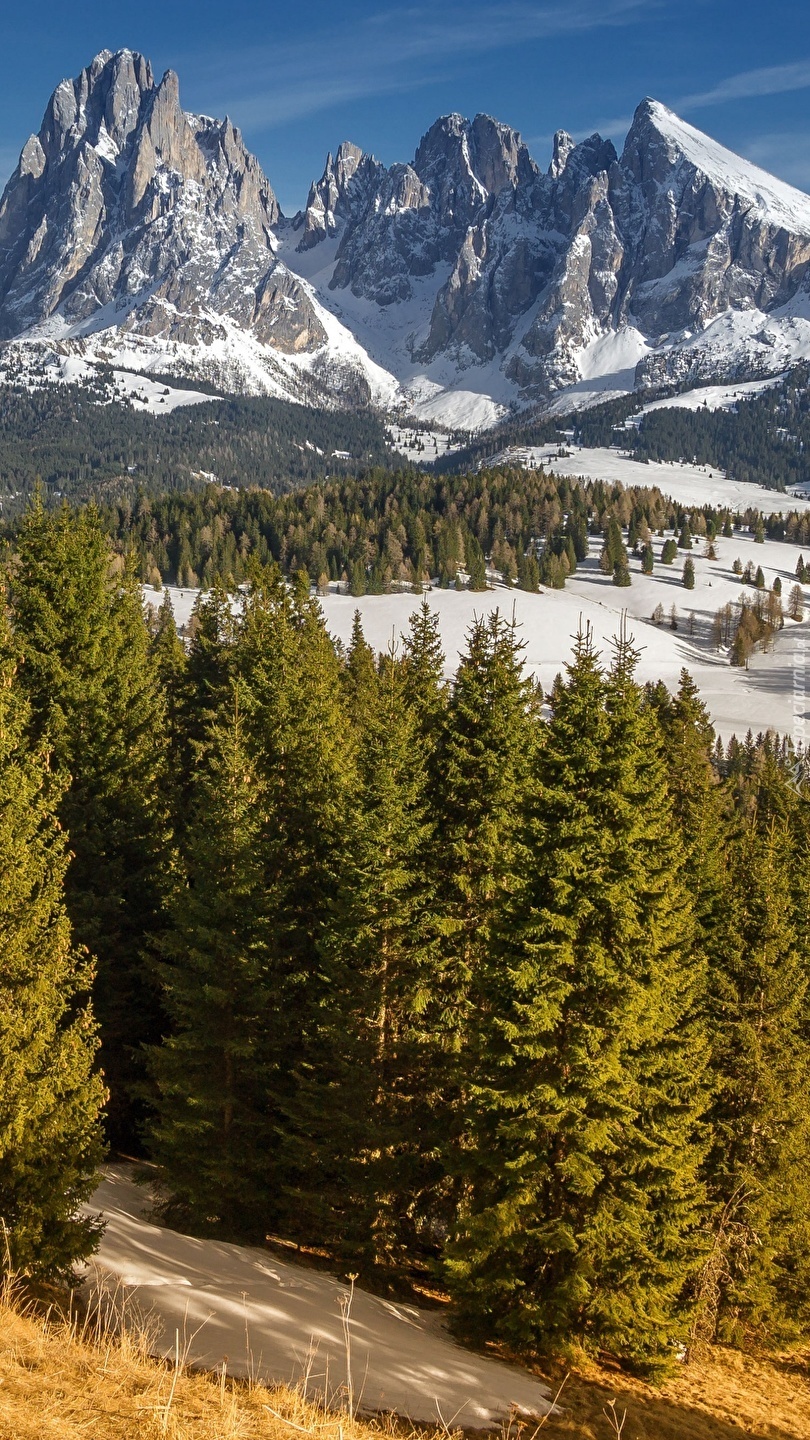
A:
84,647
304,755
168,658
50,1097
360,673
423,670
756,1279
364,1112
582,1204
528,573
689,573
208,675
491,731
210,1133
476,564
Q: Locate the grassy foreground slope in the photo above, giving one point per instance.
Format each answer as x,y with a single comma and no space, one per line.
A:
56,1381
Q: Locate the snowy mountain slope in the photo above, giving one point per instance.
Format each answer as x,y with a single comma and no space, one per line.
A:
459,285
483,277
132,231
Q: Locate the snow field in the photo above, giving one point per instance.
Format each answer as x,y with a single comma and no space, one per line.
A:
759,698
280,1322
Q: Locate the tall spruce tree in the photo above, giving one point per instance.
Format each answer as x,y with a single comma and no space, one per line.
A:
364,1108
304,755
491,731
50,1097
360,673
168,658
492,728
581,1215
699,803
84,649
206,678
756,1280
210,1136
423,657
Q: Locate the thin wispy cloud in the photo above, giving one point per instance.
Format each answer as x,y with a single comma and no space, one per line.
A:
393,51
749,84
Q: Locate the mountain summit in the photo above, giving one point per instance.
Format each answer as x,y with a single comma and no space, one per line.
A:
460,283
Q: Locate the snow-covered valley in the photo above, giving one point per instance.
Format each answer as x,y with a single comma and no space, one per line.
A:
768,695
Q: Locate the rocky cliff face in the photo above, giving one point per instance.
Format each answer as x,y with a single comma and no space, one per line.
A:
468,271
646,250
126,211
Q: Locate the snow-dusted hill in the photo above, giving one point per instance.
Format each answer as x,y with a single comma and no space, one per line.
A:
270,1319
455,286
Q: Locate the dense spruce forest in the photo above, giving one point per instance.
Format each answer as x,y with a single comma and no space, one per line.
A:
82,444
464,985
764,439
386,528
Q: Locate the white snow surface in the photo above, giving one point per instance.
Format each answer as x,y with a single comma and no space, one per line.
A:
153,397
270,1318
712,397
761,697
781,201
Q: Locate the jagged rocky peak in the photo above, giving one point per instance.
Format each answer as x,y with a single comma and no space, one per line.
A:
125,210
103,104
482,156
562,146
410,218
127,217
346,181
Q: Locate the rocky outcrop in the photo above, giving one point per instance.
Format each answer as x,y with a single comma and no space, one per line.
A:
126,211
658,242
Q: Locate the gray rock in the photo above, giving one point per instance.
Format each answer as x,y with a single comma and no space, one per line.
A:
125,210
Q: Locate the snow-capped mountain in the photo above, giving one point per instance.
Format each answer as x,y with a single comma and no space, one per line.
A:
458,284
133,230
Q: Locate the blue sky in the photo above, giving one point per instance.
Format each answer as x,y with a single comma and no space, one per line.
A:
298,79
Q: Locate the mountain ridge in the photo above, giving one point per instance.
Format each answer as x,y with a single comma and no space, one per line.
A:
459,285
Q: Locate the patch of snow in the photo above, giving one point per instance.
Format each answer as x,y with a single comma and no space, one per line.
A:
274,1321
712,397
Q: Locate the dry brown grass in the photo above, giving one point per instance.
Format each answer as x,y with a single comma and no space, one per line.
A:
723,1395
87,1380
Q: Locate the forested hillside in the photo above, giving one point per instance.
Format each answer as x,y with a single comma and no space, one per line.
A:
764,438
385,528
82,446
457,986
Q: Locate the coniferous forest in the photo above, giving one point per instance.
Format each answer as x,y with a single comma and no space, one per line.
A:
460,983
762,438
